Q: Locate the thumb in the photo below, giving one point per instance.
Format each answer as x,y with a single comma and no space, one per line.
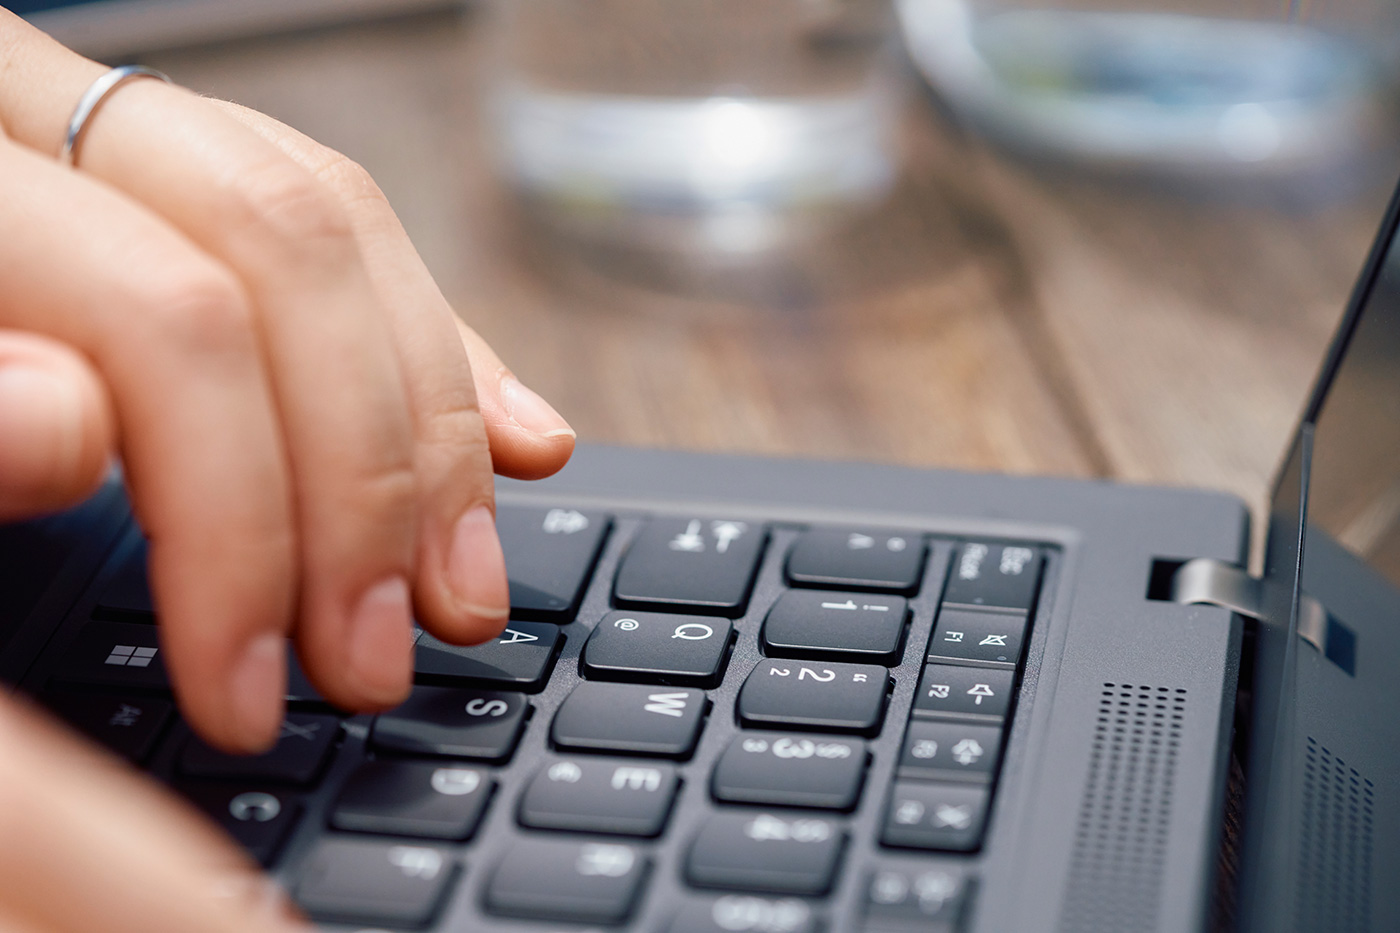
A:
56,426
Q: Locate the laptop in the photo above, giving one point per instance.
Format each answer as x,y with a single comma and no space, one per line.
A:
743,694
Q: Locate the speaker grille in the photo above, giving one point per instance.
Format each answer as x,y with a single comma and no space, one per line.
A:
1124,817
1334,853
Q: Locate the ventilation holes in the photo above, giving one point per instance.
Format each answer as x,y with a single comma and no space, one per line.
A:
1334,855
1120,841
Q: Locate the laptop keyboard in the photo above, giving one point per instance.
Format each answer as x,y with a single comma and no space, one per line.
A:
678,702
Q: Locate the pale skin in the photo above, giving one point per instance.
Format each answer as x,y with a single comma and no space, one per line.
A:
308,435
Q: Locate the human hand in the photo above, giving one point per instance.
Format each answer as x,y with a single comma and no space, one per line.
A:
307,432
88,845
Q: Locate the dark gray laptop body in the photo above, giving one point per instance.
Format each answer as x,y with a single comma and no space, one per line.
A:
1188,748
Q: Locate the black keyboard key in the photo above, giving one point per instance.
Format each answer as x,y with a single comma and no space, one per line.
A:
993,638
698,564
128,725
823,696
519,659
127,592
744,912
964,692
836,626
258,818
117,654
590,882
763,852
924,900
947,817
600,796
630,719
358,881
865,560
950,751
450,723
654,647
775,769
413,798
549,555
994,576
297,758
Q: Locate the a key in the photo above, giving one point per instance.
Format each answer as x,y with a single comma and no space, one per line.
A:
946,690
630,719
777,769
450,723
127,593
653,647
362,882
549,555
591,882
430,800
745,912
852,559
993,575
127,724
764,852
814,695
923,900
258,818
835,626
700,565
925,815
600,796
117,654
993,638
302,746
520,658
950,750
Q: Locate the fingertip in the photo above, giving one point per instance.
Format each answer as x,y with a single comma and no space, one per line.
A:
258,684
521,454
55,430
476,578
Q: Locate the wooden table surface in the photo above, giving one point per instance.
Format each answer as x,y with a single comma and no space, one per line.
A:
991,315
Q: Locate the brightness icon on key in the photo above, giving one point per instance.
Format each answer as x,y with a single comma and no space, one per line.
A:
130,656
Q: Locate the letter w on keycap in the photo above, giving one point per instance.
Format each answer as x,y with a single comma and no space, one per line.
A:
667,704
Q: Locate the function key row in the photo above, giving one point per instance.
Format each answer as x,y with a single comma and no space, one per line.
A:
952,744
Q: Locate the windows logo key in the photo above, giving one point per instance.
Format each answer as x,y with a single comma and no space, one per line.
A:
131,656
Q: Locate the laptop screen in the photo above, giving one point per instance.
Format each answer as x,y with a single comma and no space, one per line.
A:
1354,494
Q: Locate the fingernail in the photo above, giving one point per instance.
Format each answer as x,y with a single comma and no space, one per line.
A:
381,639
476,566
42,414
532,412
259,683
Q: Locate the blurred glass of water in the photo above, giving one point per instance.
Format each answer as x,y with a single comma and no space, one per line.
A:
710,128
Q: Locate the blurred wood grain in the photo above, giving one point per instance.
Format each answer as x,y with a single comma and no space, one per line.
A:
990,315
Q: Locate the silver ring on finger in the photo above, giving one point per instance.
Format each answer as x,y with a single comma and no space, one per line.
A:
97,92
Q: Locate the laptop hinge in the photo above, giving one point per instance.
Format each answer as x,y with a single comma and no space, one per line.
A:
1216,583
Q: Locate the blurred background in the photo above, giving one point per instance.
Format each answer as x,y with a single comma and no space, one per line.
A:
1102,238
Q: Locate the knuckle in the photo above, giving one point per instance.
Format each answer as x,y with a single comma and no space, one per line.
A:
351,181
385,488
198,308
290,209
